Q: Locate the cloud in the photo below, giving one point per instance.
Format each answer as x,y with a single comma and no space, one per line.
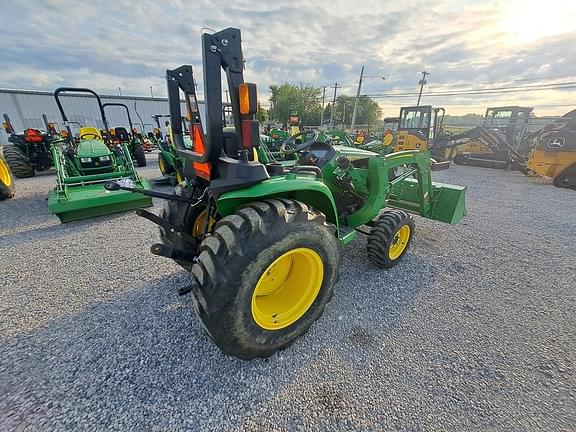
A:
105,44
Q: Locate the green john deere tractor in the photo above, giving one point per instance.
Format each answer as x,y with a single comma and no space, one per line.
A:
131,139
264,242
83,167
169,161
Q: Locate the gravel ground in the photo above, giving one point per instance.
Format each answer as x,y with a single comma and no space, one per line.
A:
473,331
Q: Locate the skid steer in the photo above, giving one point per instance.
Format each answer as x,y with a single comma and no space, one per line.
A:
263,242
131,139
83,167
417,129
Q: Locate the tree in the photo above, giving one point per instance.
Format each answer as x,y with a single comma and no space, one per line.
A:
262,115
368,112
302,98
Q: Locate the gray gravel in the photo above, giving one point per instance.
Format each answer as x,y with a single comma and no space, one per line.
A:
473,331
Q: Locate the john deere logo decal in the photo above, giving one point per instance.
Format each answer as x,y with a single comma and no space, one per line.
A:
556,143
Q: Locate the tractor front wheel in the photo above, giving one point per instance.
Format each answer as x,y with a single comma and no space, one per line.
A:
165,168
18,162
6,181
265,275
390,238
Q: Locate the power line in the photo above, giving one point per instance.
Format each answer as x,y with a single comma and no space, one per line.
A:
501,90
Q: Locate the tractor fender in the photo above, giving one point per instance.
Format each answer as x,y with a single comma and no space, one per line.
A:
301,187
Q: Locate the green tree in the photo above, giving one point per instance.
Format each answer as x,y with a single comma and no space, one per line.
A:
368,112
262,115
305,99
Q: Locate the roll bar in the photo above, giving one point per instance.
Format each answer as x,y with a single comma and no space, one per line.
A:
108,104
79,90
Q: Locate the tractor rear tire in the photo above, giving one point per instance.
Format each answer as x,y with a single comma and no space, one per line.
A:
264,276
139,155
390,238
18,162
6,181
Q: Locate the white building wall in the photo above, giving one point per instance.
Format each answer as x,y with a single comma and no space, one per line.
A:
25,109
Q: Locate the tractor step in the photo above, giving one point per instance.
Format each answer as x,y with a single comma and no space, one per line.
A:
168,251
346,234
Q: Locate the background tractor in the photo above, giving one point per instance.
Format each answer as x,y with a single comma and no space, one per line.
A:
263,242
130,139
497,143
29,151
83,167
554,151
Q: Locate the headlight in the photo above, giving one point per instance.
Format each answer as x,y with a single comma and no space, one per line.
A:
85,160
104,158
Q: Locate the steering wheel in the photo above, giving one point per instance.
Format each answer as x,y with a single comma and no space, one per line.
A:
291,142
90,134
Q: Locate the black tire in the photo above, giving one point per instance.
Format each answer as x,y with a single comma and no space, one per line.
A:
233,259
139,155
567,178
385,234
18,162
6,181
460,159
165,168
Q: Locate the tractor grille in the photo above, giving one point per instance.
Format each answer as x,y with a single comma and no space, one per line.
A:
95,163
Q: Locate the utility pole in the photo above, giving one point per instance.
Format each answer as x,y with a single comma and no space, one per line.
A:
119,91
422,82
323,99
336,87
352,124
151,93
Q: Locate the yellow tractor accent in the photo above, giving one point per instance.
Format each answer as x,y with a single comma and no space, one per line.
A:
287,288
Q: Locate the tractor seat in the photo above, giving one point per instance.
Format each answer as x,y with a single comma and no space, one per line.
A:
90,131
122,134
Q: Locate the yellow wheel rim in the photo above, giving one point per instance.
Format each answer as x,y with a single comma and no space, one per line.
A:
400,242
287,288
198,227
162,165
5,176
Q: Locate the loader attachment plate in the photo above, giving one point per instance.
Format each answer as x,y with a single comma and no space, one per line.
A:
447,203
77,203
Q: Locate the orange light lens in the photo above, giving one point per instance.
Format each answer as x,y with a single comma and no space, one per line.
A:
248,98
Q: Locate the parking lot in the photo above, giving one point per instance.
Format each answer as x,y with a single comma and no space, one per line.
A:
474,330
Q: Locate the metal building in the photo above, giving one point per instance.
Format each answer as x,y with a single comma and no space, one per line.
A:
25,109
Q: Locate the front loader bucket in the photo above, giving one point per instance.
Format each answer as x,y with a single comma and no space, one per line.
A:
447,203
83,202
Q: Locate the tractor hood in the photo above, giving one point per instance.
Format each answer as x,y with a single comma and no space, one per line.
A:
353,152
92,148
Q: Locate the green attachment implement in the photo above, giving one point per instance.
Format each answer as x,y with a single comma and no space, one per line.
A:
80,196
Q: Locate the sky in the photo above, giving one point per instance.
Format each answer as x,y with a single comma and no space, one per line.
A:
464,45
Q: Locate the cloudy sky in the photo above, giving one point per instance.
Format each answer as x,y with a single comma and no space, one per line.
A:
464,44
